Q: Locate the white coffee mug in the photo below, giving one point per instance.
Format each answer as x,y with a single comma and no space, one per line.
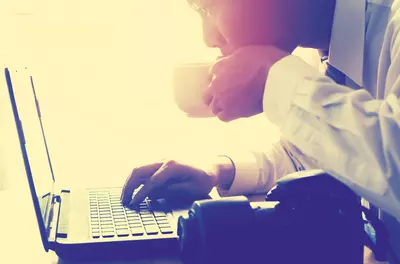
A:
190,81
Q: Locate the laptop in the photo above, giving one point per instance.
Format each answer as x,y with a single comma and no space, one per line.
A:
84,224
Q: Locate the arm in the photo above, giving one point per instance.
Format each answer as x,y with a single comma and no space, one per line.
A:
346,132
253,172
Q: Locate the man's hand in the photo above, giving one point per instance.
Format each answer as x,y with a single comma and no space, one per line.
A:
238,83
176,179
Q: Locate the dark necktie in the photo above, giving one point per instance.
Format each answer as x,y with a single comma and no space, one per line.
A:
332,72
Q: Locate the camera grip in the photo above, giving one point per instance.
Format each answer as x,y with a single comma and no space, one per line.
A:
210,232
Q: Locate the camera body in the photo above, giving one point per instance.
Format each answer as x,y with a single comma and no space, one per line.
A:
309,217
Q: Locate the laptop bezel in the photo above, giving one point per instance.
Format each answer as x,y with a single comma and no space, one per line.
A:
41,223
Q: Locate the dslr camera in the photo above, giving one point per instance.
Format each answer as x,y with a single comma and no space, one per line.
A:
308,217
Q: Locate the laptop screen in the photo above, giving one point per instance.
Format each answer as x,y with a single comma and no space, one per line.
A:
35,143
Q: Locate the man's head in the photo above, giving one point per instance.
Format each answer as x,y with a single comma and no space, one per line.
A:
231,24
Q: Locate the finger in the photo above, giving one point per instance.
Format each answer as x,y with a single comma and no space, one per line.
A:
215,88
225,116
132,182
156,181
147,188
135,179
218,66
207,96
215,109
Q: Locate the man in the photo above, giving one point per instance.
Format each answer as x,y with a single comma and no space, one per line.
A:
346,124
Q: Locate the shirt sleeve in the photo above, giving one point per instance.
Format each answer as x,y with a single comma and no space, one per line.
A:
346,132
257,172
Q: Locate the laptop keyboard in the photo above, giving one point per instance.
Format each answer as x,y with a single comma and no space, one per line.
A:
109,219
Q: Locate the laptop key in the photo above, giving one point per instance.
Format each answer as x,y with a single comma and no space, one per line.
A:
132,215
164,225
161,217
162,221
118,215
159,214
135,226
123,233
137,231
105,235
133,218
130,212
105,216
165,230
107,225
151,230
118,212
134,221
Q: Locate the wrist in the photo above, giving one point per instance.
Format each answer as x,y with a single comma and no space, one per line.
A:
224,172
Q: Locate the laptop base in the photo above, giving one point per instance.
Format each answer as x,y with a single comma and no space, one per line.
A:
112,251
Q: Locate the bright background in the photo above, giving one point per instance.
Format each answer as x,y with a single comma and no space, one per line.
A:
103,73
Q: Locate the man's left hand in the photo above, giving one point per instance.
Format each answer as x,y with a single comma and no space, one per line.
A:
238,83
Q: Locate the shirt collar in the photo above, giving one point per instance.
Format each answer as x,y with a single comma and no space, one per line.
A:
346,51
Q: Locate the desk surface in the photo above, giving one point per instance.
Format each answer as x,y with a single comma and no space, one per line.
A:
20,238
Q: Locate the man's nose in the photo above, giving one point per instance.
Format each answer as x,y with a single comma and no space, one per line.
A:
211,36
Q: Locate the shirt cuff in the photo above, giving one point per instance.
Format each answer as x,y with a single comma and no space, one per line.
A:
246,175
284,78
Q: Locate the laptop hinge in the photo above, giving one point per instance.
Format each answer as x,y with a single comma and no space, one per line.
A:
54,214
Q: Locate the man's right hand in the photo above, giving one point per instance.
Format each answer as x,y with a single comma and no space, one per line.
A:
176,179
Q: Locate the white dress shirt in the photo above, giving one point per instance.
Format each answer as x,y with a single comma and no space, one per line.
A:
351,131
